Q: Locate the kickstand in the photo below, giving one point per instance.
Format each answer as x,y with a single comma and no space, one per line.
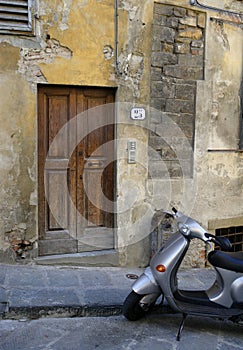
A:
178,338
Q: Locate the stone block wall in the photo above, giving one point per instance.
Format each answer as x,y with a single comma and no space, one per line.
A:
177,62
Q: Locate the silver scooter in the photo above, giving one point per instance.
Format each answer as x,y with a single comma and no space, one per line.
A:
223,300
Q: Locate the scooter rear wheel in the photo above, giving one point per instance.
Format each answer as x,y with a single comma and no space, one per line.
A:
132,308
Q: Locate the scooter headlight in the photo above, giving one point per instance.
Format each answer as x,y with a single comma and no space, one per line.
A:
185,230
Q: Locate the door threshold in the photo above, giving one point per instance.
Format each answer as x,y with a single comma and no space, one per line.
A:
102,258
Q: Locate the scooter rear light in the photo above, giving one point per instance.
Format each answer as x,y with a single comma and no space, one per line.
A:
161,268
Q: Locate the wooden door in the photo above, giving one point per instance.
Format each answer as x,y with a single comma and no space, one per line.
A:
76,169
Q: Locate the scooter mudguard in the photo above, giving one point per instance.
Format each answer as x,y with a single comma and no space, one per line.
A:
146,284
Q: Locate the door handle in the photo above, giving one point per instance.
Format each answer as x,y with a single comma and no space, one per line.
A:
98,163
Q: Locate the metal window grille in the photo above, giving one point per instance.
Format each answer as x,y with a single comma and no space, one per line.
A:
15,16
234,234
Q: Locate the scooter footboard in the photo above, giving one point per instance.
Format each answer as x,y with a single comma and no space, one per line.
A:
146,284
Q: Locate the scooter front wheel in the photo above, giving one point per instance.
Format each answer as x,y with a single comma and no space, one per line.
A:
133,309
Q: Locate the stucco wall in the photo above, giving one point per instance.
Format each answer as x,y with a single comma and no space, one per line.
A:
74,44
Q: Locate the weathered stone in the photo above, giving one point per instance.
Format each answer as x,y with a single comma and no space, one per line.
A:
179,11
196,52
160,59
181,48
174,169
183,40
156,45
157,142
191,13
167,153
167,47
158,170
179,106
189,21
167,34
194,34
190,73
185,91
201,20
155,117
190,60
155,73
162,89
159,19
187,129
163,10
158,103
197,44
172,22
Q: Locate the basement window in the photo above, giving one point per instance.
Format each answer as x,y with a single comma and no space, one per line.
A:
234,234
16,17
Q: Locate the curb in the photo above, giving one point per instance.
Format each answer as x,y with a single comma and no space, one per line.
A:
35,312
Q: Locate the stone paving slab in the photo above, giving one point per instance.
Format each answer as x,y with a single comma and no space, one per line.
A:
37,291
157,332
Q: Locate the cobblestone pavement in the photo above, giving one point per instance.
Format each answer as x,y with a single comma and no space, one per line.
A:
113,333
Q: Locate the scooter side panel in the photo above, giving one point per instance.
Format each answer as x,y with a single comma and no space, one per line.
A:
237,290
227,289
169,256
146,284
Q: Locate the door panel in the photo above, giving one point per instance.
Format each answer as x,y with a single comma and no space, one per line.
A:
74,185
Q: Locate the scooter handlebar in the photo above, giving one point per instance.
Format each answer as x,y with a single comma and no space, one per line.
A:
222,242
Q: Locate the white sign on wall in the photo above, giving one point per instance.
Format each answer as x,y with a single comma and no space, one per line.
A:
138,113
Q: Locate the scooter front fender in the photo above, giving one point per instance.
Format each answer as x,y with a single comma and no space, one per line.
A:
146,284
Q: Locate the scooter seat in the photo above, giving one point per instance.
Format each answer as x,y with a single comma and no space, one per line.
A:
227,261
